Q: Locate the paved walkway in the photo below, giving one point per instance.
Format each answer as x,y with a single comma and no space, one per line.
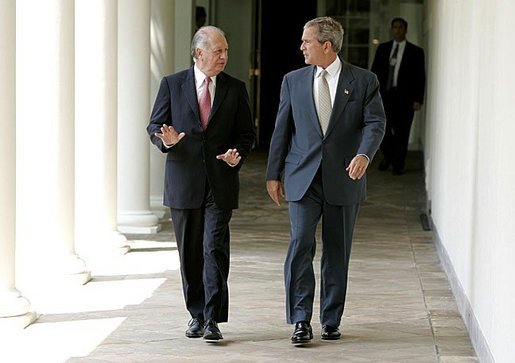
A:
400,308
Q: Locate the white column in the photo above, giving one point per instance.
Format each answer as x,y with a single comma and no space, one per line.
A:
14,308
45,143
184,26
162,14
134,215
96,128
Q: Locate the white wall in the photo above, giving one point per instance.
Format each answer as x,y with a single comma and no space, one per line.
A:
183,32
469,166
238,31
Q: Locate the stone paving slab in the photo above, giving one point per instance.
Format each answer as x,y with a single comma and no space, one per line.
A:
400,307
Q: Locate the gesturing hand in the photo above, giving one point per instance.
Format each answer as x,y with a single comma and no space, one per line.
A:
231,157
169,136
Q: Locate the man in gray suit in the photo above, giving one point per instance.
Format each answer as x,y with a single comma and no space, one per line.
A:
329,126
202,120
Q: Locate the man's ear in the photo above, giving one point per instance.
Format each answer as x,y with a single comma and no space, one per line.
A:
327,45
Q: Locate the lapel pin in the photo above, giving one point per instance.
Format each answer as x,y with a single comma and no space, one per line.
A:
346,91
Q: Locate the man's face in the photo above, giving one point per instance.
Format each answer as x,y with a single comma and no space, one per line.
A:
213,60
311,48
398,31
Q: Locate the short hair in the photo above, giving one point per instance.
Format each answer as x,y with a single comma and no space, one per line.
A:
328,30
202,37
403,21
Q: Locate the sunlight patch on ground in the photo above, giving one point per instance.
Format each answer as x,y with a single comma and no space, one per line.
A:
142,259
96,296
56,342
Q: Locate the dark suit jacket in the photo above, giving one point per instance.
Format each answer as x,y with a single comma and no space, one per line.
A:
193,159
298,147
411,78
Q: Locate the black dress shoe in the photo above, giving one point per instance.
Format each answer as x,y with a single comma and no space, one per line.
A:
383,165
195,328
302,333
330,333
211,331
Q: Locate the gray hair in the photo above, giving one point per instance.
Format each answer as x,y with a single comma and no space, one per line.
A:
328,30
202,38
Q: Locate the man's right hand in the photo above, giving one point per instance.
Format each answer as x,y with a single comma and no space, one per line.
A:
275,189
169,136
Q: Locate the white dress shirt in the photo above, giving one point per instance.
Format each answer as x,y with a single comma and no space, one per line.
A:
333,74
400,52
199,84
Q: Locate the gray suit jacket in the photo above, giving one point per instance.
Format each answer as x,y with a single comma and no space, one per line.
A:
298,148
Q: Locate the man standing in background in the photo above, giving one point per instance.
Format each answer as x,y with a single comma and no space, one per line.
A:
400,68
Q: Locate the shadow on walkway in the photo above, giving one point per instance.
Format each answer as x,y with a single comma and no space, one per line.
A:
400,307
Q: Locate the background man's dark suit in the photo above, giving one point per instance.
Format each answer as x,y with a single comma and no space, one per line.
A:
194,179
398,102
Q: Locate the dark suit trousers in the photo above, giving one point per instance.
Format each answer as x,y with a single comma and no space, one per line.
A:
337,231
399,117
203,241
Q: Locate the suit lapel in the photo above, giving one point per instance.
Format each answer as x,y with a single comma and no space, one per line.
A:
306,93
220,93
189,89
343,93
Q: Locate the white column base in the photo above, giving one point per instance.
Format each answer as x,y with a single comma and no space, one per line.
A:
10,324
157,207
103,249
107,254
139,230
75,271
13,304
15,311
76,279
144,222
72,271
159,213
119,242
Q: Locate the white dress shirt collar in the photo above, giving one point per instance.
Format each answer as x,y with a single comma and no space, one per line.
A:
333,69
402,45
200,77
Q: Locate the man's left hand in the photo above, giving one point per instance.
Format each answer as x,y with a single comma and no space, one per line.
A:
357,167
231,157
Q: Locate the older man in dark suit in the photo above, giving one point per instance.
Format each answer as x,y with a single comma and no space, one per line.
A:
329,125
399,66
202,120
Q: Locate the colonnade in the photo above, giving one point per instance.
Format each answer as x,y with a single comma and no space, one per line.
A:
75,160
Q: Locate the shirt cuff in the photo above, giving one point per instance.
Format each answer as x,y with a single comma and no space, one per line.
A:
365,155
168,146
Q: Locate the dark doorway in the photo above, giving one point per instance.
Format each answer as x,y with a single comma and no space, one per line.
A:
280,27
